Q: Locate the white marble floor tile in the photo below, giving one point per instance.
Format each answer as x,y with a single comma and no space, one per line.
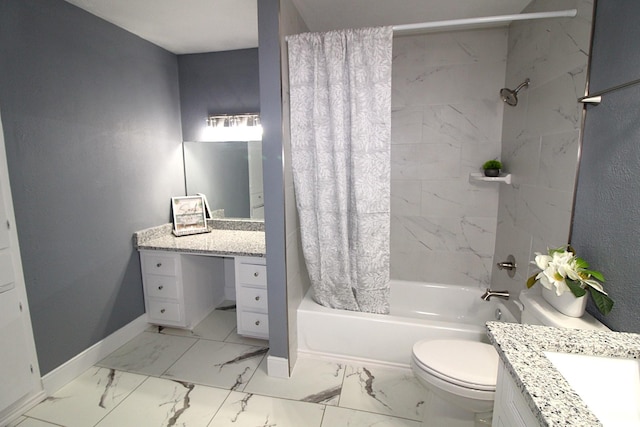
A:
149,353
87,399
218,364
383,390
15,422
31,422
251,410
216,326
239,339
160,402
312,380
342,417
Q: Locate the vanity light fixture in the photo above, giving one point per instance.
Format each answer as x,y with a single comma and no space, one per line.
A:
238,127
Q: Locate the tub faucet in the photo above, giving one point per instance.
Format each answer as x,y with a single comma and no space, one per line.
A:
489,293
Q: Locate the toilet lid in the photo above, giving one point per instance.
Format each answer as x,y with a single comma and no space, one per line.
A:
469,364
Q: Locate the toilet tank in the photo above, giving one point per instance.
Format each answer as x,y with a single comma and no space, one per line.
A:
537,311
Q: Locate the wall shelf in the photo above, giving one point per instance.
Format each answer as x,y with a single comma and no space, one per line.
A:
479,176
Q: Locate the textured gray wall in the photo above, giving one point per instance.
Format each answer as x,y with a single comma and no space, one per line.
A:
92,128
606,228
271,113
217,83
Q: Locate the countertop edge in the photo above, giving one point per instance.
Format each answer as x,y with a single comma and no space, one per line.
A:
549,396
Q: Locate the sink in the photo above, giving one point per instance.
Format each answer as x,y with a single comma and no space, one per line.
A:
610,387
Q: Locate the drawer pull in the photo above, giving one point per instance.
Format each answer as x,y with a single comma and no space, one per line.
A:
159,265
160,287
162,311
257,323
258,298
256,274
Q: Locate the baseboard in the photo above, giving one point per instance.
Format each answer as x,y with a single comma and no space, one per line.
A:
71,369
15,411
349,359
277,367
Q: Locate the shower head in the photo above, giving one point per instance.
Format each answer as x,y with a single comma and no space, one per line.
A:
511,96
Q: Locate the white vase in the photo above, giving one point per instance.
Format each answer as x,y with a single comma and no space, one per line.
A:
567,303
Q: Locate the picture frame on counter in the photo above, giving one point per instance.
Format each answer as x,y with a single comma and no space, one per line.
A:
189,215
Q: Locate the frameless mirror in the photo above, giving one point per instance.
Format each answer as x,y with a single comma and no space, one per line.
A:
229,174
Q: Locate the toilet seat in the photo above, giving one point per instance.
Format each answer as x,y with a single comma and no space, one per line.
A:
468,364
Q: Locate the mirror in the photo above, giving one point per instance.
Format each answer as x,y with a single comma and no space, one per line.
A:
229,174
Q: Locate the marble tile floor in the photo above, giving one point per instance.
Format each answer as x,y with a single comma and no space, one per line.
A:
213,377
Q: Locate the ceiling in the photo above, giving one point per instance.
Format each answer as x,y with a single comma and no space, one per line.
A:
196,26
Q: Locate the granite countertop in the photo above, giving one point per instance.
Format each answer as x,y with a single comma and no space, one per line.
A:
550,397
227,237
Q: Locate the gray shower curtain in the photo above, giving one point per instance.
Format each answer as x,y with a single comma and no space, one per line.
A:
340,88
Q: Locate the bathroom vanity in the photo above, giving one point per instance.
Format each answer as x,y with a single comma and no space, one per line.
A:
185,278
533,389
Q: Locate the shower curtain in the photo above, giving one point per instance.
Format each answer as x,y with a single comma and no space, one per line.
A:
340,89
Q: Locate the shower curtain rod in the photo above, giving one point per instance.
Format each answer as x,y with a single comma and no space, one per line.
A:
483,20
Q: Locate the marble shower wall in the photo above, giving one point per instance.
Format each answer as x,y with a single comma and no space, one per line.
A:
446,121
540,136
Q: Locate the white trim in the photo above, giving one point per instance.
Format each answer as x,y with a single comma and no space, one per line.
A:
277,367
482,21
71,369
349,359
15,411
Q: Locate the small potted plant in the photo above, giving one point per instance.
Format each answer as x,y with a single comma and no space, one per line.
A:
492,168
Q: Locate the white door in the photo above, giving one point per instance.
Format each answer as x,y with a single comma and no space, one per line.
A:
19,374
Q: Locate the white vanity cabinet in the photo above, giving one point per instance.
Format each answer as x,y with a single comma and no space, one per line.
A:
510,408
180,290
251,297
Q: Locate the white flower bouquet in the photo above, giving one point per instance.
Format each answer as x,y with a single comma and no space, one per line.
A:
563,271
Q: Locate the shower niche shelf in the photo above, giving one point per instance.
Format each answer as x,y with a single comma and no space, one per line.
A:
479,176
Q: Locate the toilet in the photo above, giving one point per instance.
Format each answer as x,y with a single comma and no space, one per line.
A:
460,375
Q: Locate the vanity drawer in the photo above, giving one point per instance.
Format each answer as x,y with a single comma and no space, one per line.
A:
161,312
252,274
254,324
253,298
161,286
165,265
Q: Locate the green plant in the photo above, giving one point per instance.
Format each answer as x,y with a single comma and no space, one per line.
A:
562,271
492,164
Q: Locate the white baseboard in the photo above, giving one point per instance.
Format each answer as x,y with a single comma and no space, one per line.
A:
277,367
71,369
15,411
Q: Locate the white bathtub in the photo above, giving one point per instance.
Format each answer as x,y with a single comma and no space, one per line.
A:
418,311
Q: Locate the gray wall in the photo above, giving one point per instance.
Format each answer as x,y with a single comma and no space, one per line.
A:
217,83
541,136
298,281
271,115
606,229
92,129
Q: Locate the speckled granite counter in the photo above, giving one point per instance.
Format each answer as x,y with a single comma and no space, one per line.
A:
550,397
227,238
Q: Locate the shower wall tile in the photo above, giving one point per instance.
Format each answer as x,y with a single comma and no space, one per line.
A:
458,198
557,152
540,136
522,159
553,107
406,197
463,123
446,121
425,161
406,125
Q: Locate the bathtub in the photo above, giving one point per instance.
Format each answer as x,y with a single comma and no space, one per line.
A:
418,311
